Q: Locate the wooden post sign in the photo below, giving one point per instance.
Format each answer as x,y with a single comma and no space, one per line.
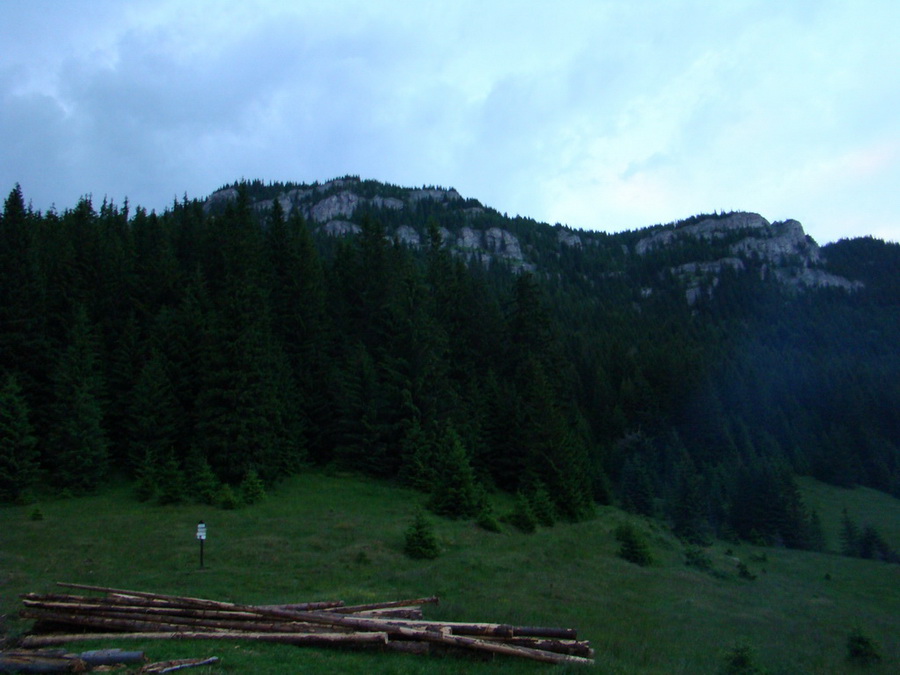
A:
201,537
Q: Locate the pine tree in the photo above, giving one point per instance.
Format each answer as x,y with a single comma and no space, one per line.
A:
171,486
24,346
455,492
252,488
18,453
202,483
421,541
152,413
79,451
522,516
632,546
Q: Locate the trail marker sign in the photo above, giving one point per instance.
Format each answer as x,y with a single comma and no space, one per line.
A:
201,536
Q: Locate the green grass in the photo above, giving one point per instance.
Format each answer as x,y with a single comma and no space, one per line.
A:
864,506
320,537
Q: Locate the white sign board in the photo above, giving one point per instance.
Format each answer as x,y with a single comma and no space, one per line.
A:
201,531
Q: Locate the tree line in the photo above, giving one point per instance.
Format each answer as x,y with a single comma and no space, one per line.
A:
192,351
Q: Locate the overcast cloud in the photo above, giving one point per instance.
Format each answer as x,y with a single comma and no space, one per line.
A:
602,115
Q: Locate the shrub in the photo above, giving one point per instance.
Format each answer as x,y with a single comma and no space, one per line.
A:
740,660
542,506
202,481
37,514
486,519
695,556
228,499
744,571
861,649
522,517
421,541
633,548
252,488
170,486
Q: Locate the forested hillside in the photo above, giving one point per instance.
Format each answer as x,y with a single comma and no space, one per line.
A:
678,371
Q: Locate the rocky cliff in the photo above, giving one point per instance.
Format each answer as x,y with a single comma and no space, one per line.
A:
704,247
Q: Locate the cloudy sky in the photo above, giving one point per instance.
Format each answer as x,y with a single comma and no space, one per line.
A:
602,115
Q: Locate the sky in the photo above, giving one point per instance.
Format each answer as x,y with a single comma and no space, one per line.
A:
601,115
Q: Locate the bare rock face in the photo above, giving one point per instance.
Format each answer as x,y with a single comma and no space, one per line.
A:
436,194
701,278
569,238
709,228
340,228
342,204
503,244
391,203
469,239
408,236
799,278
786,253
785,240
219,199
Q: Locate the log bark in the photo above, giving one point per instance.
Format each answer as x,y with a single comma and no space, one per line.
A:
110,657
24,662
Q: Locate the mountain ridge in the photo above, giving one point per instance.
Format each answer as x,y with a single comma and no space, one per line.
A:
782,250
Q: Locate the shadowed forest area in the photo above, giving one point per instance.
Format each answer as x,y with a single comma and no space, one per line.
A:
207,354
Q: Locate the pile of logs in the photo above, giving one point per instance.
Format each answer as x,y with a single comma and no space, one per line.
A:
397,625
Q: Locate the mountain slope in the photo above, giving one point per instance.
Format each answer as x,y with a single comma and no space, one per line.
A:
687,371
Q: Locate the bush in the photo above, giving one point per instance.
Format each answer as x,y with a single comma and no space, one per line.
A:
252,488
740,660
486,519
421,541
204,485
228,499
522,517
542,506
633,548
744,571
695,556
862,650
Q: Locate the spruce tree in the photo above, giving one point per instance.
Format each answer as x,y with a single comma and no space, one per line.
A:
420,540
455,492
78,454
18,453
152,413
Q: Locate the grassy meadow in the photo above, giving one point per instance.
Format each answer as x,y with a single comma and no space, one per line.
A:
325,537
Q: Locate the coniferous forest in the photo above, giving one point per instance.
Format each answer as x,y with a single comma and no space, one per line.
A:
200,352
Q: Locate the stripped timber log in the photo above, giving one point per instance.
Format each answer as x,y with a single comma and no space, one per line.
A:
412,613
89,621
352,609
312,639
179,664
307,606
573,647
87,604
494,647
138,620
175,617
500,630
